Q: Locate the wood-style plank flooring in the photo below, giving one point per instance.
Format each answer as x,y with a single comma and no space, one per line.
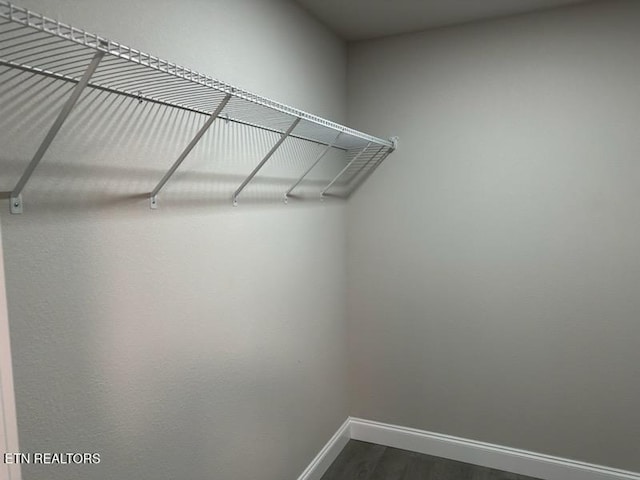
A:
368,461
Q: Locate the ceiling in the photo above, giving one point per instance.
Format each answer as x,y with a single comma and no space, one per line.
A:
366,19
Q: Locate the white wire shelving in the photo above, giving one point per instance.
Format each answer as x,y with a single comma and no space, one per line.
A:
38,45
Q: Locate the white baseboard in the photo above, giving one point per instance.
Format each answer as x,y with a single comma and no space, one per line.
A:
328,454
484,454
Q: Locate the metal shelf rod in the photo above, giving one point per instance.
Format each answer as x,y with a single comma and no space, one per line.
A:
366,163
63,68
17,29
178,93
344,169
79,36
183,155
111,63
264,160
16,199
46,39
13,29
35,44
82,54
366,174
150,89
136,72
320,157
27,34
145,98
6,50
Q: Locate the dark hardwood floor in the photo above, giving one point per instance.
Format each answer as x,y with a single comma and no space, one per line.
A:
367,461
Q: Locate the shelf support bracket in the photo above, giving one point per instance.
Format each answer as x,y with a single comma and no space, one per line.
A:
264,160
154,193
385,154
346,167
320,157
15,196
370,161
363,177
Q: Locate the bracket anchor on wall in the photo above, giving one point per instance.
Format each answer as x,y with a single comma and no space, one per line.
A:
16,204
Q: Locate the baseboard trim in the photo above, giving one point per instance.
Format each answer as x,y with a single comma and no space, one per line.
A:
484,454
328,454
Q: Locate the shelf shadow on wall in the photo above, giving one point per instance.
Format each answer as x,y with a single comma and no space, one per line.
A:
112,150
85,187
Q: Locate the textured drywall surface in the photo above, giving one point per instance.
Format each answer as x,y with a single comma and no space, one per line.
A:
197,340
8,425
493,259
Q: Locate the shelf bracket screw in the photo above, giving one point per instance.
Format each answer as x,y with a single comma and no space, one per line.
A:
16,205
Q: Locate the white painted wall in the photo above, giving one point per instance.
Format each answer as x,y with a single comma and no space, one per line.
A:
198,340
493,259
8,425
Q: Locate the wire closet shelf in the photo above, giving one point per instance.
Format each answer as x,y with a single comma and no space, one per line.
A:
33,43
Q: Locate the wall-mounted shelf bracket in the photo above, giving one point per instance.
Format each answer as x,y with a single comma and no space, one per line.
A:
43,47
264,160
16,196
320,157
371,160
346,167
154,193
368,167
